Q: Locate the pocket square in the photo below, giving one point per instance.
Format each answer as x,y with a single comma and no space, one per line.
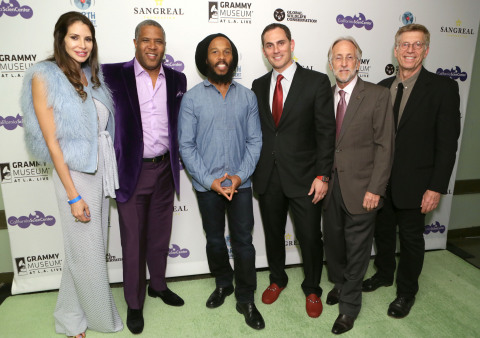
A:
180,93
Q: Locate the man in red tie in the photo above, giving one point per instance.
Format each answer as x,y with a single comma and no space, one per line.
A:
363,159
298,127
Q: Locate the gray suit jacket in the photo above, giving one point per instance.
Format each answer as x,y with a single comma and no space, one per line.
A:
364,148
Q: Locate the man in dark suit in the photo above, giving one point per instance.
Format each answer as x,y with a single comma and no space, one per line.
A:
427,118
147,99
298,127
362,163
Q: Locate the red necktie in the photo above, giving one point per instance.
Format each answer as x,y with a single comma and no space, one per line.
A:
277,104
341,108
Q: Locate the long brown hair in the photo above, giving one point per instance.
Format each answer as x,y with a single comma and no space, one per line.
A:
64,61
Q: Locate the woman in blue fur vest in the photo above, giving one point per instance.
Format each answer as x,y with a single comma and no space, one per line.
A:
68,120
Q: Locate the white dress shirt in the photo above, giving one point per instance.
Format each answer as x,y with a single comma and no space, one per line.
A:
286,82
348,93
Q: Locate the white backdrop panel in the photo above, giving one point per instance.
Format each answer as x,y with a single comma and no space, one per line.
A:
27,26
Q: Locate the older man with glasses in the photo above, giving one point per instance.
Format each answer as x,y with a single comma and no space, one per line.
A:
427,121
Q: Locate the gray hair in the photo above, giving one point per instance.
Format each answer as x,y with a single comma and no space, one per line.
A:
413,27
358,50
148,23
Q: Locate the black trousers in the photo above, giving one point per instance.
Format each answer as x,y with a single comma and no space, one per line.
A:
348,245
411,225
274,207
240,224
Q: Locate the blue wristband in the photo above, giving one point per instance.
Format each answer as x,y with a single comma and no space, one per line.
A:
76,199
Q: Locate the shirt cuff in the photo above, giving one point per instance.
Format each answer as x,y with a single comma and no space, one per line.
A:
208,182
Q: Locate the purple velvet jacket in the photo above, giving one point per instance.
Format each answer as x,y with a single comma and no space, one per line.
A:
120,79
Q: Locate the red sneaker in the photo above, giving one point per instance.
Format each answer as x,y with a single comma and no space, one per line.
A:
271,293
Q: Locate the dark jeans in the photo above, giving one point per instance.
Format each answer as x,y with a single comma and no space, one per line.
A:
411,225
240,224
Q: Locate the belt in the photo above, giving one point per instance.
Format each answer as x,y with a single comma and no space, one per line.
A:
158,158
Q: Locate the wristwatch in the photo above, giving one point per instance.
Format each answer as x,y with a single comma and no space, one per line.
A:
323,178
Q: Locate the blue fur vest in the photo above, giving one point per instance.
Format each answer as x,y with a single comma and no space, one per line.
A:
76,121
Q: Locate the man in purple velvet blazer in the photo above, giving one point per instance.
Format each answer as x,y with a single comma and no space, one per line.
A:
147,99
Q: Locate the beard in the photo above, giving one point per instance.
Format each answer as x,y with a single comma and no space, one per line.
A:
220,79
349,78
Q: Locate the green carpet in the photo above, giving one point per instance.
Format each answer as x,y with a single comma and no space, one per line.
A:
447,306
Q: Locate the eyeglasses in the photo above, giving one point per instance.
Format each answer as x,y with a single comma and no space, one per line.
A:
349,58
406,45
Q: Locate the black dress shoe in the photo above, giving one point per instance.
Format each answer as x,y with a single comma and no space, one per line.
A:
253,318
218,296
135,320
168,296
342,324
333,296
400,307
374,283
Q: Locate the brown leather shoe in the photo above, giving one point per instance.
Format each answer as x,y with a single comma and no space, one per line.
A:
271,293
314,305
342,324
333,296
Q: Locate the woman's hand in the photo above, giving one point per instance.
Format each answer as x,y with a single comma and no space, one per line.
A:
80,211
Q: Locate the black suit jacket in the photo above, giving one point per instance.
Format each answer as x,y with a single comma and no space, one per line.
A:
302,145
426,139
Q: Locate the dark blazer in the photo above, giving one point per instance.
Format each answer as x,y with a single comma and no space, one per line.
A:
120,78
303,143
364,148
426,139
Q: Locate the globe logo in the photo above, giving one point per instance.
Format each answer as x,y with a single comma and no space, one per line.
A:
408,18
83,4
279,14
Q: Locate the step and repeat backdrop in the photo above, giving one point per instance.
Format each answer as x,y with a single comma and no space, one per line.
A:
34,225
